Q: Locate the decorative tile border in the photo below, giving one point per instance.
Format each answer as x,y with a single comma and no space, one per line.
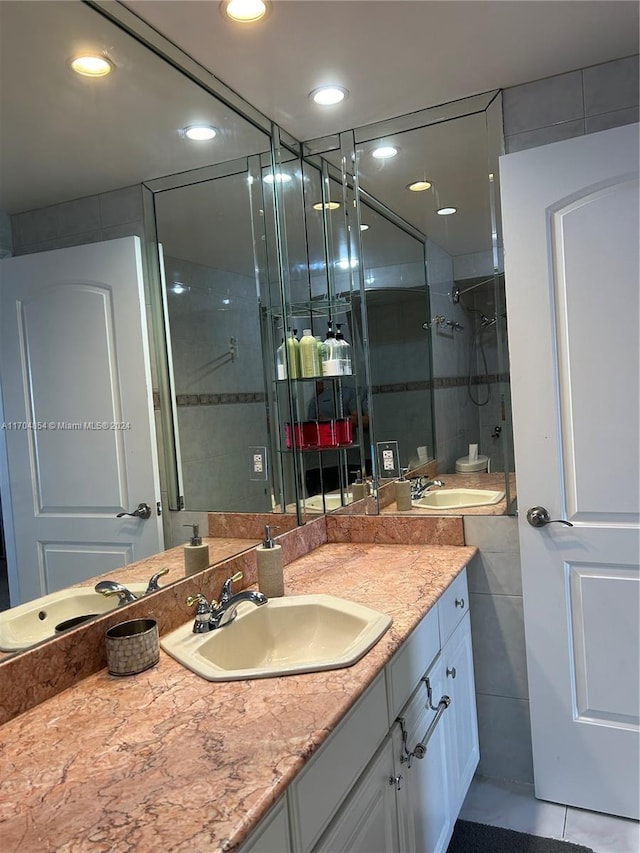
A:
220,399
225,399
242,397
438,383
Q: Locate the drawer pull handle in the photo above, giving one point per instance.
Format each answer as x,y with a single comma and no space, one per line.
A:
396,781
459,602
451,672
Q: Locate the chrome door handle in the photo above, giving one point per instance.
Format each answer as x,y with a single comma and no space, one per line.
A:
142,511
538,516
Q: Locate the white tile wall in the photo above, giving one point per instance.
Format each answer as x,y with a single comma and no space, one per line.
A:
497,625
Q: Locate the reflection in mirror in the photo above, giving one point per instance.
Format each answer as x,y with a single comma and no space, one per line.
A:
322,410
438,161
206,232
84,178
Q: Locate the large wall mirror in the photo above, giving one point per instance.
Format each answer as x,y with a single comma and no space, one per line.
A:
249,238
430,264
92,160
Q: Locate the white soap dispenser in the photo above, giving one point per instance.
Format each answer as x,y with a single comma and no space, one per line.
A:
196,553
403,492
269,556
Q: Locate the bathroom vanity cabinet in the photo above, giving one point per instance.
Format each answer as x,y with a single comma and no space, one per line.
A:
366,789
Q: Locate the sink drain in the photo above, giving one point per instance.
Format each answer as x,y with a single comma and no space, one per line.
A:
71,623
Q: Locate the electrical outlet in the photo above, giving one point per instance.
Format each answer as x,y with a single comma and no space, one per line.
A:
388,459
258,463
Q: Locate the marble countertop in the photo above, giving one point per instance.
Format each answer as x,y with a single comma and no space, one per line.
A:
165,760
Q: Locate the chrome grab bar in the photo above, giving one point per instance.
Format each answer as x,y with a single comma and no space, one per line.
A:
420,749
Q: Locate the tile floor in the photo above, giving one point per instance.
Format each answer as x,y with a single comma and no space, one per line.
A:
512,805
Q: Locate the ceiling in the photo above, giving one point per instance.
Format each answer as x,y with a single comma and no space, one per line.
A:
394,56
63,137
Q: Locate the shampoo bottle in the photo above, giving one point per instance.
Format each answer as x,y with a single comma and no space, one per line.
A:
403,493
293,354
330,365
281,361
269,556
344,353
309,359
196,553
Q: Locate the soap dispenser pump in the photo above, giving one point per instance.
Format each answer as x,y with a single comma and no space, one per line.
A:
269,556
196,553
403,492
359,488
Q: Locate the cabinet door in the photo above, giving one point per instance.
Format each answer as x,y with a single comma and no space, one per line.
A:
461,719
272,834
424,813
367,821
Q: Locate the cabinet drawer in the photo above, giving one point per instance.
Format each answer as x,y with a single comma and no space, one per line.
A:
452,606
328,777
411,662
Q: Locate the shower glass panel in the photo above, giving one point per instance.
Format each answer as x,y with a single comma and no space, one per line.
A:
210,280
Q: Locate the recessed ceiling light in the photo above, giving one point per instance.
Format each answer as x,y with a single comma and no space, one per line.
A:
328,95
277,178
446,211
327,205
384,152
245,11
200,132
419,186
92,66
364,227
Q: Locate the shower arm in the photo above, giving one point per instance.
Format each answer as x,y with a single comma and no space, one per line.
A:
456,293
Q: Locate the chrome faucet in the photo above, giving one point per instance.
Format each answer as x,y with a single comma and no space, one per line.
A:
125,596
153,586
420,485
218,614
109,588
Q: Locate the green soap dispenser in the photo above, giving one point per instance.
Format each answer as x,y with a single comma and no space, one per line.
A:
269,556
196,553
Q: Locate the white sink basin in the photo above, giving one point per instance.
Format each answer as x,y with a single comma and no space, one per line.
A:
458,498
29,623
293,634
331,502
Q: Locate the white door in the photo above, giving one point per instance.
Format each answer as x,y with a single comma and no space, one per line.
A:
570,213
78,416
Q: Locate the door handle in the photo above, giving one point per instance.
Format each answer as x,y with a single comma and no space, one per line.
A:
142,511
538,516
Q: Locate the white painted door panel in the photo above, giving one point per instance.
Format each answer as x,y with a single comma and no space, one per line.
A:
77,407
571,235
